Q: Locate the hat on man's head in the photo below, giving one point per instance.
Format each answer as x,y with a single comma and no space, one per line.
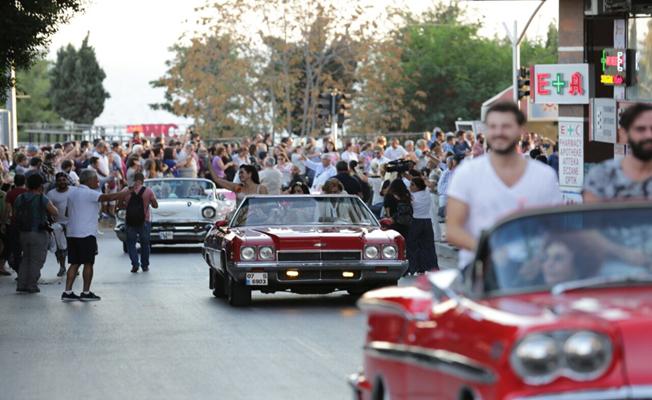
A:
450,135
32,149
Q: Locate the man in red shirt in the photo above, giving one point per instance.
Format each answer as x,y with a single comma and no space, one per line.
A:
14,253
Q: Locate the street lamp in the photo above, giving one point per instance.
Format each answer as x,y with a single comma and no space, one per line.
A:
516,40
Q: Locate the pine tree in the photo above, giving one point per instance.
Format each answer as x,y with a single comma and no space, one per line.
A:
77,91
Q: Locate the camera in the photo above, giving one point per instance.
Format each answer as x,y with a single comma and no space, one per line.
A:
399,166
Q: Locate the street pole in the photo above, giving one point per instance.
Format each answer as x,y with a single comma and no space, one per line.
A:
334,118
516,62
11,138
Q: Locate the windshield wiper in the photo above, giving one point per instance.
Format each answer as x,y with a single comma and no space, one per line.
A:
600,281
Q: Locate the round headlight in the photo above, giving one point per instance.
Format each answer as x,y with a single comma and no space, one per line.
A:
588,354
247,253
208,212
389,252
122,214
266,253
536,359
371,252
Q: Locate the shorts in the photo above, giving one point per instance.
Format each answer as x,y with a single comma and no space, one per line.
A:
82,250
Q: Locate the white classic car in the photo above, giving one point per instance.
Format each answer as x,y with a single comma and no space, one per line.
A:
187,210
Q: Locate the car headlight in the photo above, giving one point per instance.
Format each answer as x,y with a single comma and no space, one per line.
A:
587,354
390,252
266,253
579,355
122,214
247,253
371,252
537,359
208,212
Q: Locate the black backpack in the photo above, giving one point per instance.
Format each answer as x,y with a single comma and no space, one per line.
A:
24,215
136,209
403,214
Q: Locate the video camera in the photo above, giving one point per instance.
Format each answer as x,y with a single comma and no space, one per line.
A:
399,166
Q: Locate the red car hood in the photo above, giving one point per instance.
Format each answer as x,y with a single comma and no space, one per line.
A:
627,309
314,237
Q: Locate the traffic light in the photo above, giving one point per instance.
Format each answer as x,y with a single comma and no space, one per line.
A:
523,82
343,107
324,105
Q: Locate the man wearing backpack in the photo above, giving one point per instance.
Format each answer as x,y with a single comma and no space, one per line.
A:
31,211
138,222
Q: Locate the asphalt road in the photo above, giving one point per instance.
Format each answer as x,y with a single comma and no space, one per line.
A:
162,335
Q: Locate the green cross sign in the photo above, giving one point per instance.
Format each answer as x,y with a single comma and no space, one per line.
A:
559,84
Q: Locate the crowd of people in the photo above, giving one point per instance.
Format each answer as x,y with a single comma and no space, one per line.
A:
52,196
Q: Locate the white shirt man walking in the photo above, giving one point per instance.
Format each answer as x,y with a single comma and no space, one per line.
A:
509,183
83,209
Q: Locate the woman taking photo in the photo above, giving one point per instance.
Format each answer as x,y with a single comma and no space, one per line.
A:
421,240
398,207
250,183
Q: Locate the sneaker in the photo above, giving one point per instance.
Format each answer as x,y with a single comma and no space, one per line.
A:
89,297
22,290
35,289
135,269
145,269
65,297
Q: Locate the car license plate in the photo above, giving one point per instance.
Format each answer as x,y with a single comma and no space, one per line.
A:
166,235
256,279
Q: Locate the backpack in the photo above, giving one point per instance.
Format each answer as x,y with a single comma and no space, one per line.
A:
135,209
403,214
24,213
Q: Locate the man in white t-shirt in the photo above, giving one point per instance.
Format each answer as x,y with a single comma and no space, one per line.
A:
59,197
395,151
509,183
270,177
83,209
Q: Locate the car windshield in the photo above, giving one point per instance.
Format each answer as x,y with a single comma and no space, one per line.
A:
295,210
165,189
546,251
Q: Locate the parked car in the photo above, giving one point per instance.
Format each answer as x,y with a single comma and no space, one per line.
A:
304,244
187,210
557,305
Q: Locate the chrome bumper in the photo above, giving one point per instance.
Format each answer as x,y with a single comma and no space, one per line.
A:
626,392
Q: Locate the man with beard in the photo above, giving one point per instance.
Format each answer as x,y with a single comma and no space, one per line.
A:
631,177
509,182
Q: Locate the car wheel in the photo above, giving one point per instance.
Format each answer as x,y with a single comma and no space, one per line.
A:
124,247
238,294
217,283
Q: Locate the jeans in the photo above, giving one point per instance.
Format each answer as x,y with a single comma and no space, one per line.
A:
421,251
139,234
35,251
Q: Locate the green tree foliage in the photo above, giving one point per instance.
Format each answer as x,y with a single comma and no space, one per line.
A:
33,85
77,91
25,29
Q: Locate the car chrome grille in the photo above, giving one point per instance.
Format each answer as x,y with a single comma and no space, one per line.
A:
313,256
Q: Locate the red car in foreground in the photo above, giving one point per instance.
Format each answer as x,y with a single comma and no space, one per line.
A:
304,244
556,306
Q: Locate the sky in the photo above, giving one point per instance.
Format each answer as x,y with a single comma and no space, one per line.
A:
132,37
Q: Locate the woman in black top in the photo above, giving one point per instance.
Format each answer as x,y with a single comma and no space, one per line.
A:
397,201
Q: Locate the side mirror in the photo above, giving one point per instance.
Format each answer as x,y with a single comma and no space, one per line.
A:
446,283
386,223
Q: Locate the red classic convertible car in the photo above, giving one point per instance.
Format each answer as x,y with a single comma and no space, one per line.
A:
556,306
304,244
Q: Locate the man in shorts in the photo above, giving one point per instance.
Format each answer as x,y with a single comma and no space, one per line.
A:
83,209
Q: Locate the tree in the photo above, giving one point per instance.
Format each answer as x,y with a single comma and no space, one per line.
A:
34,83
25,29
77,91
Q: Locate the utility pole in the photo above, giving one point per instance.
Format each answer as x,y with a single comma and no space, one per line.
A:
10,138
334,117
516,58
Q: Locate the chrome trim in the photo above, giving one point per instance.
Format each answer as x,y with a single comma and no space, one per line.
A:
626,392
440,360
367,264
368,305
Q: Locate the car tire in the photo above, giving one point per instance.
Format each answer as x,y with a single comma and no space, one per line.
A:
219,287
379,392
238,294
